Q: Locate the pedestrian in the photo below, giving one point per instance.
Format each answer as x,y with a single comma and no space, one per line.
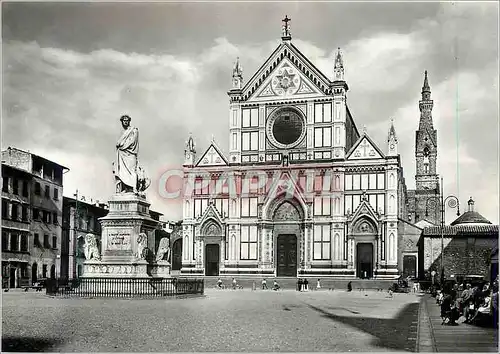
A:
235,284
306,285
318,285
264,284
276,286
349,286
219,283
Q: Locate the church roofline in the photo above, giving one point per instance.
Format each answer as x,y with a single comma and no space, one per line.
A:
217,149
252,85
353,148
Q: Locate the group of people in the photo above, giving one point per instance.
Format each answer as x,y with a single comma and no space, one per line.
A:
473,303
234,284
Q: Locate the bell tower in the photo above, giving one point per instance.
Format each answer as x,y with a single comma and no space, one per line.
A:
426,177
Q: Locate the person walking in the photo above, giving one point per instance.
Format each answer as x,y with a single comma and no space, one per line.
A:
264,284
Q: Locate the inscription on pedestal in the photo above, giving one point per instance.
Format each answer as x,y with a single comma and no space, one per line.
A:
119,240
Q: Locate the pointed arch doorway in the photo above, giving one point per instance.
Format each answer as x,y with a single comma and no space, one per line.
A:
364,257
288,219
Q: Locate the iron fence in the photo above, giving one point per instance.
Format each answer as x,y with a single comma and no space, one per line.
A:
125,287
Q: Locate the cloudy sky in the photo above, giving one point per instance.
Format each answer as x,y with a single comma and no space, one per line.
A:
70,70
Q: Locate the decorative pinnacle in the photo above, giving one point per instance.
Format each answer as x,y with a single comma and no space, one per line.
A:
392,131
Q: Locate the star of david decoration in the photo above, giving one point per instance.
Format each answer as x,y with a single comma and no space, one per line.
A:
285,80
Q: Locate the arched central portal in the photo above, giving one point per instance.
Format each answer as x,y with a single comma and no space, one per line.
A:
287,220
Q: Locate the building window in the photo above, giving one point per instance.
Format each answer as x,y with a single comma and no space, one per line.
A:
380,181
248,243
46,243
356,182
44,271
5,209
5,184
364,182
14,212
250,141
322,113
250,118
24,243
24,212
322,206
248,207
25,188
15,186
54,241
5,241
56,194
323,137
14,242
36,240
36,214
348,182
37,188
54,218
46,217
321,242
47,191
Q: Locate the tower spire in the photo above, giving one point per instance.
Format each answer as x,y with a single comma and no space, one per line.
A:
339,66
237,75
189,152
426,105
392,141
426,89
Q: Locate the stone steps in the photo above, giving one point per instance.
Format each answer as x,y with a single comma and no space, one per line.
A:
291,283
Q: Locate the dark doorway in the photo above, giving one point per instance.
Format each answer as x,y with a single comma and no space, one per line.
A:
212,260
364,260
53,272
286,256
13,277
177,254
34,273
410,266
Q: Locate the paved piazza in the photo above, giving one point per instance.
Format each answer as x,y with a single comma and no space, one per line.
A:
223,320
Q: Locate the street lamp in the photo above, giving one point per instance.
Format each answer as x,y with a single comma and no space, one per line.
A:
452,202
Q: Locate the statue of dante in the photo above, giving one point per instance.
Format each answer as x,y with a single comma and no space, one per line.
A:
125,166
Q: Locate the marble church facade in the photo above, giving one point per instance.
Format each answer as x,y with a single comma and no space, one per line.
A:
302,191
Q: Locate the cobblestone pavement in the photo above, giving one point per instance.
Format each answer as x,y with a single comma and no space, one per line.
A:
223,320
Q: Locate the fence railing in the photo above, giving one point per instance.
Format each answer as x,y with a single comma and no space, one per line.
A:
125,287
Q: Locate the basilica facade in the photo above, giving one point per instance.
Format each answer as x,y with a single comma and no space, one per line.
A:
302,190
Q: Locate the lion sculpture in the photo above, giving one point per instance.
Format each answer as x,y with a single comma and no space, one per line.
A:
142,245
90,249
163,253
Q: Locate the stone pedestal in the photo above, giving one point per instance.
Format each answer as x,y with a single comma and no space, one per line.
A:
161,269
121,254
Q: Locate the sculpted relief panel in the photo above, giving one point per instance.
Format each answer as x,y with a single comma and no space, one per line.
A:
286,212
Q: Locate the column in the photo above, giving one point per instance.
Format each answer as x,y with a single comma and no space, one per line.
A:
222,252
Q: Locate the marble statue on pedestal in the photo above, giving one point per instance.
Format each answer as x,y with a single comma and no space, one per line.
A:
163,253
90,249
129,176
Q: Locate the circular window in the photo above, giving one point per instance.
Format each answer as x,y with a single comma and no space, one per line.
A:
286,127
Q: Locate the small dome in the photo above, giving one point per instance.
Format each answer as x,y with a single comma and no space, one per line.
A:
471,216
